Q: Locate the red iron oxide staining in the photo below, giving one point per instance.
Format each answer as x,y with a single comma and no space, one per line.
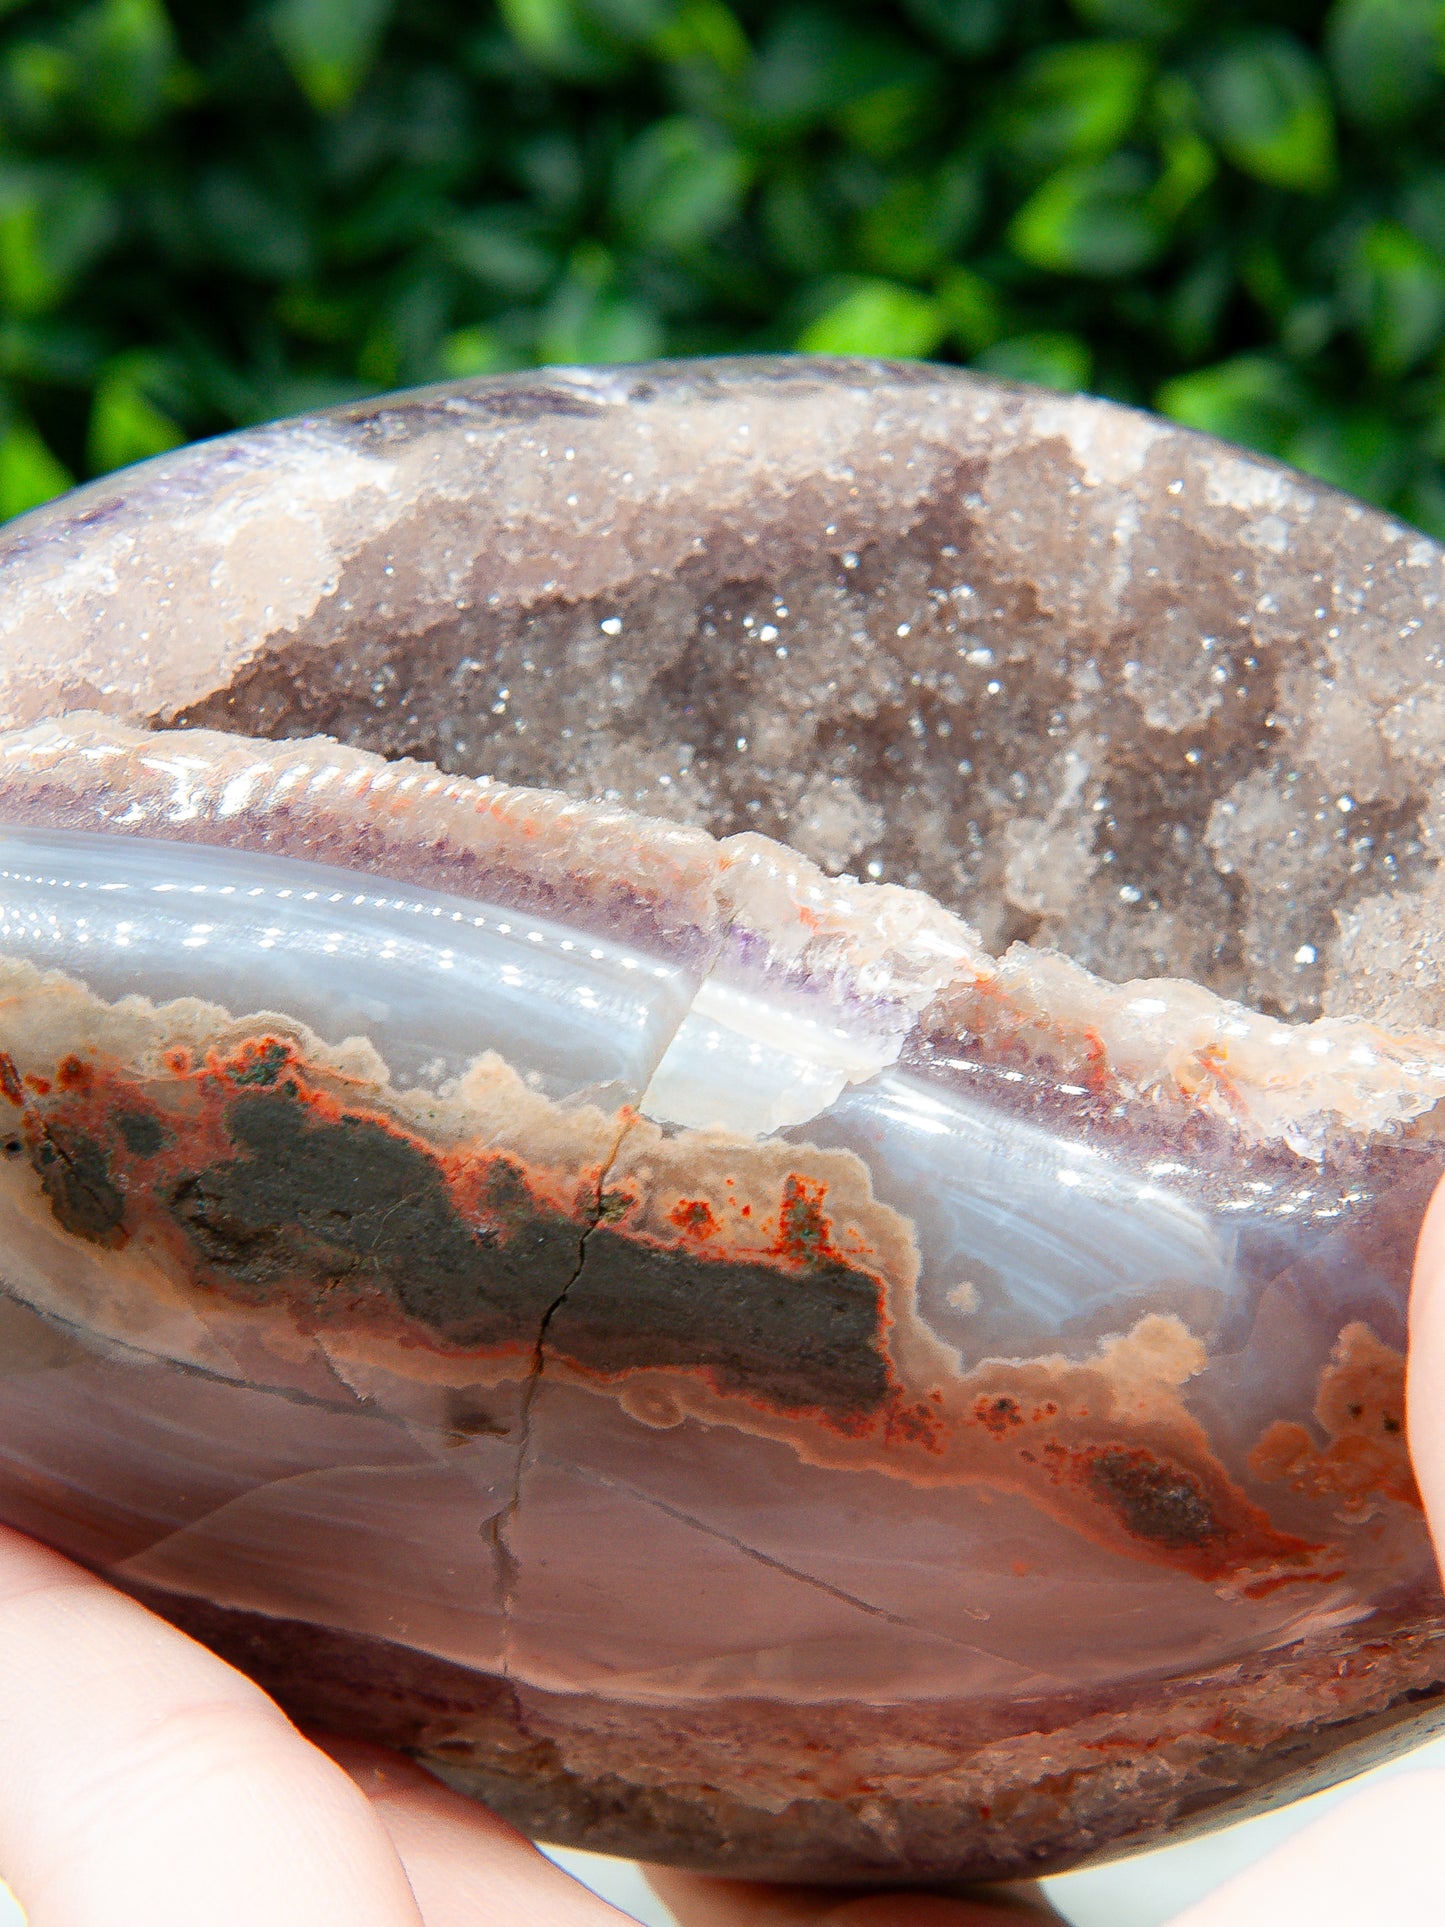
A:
805,1235
1360,1407
694,1218
997,1415
773,1312
1060,1435
1131,1493
982,1032
261,1178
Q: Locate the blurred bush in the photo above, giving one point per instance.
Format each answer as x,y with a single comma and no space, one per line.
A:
1232,212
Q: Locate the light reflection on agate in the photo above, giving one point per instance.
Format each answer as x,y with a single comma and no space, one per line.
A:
1051,1228
431,981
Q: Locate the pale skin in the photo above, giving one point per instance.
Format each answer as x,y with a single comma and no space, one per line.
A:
144,1783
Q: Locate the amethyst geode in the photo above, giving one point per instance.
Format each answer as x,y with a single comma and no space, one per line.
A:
716,1084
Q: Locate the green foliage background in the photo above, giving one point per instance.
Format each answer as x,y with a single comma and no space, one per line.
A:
210,215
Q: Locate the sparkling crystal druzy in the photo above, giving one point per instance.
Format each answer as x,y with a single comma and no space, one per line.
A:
530,1221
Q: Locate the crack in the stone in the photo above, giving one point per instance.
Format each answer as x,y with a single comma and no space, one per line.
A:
777,1565
496,1523
98,1344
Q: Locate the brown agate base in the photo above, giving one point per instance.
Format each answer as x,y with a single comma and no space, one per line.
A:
882,1796
715,1089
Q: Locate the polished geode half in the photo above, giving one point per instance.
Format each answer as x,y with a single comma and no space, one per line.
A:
716,1083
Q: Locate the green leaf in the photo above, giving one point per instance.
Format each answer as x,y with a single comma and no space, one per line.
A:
679,183
798,227
1395,288
1251,399
407,329
598,41
475,351
552,170
43,350
53,224
705,30
1360,451
606,329
1265,272
1094,219
1154,18
813,64
1270,110
633,22
126,57
561,38
1196,305
1384,58
1308,326
380,359
591,319
1189,164
967,27
500,248
883,123
1424,502
402,211
1077,102
329,45
315,316
1051,360
29,473
877,318
1422,206
39,81
126,424
1189,168
974,307
921,220
250,229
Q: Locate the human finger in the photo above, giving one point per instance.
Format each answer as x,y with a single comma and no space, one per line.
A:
1425,1378
1371,1856
145,1783
701,1900
465,1864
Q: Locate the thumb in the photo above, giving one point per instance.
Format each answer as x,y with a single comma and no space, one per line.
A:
1425,1378
700,1900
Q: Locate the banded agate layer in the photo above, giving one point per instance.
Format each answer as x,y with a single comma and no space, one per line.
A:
699,1349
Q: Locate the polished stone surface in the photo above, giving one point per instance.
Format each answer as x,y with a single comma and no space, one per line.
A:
718,1084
